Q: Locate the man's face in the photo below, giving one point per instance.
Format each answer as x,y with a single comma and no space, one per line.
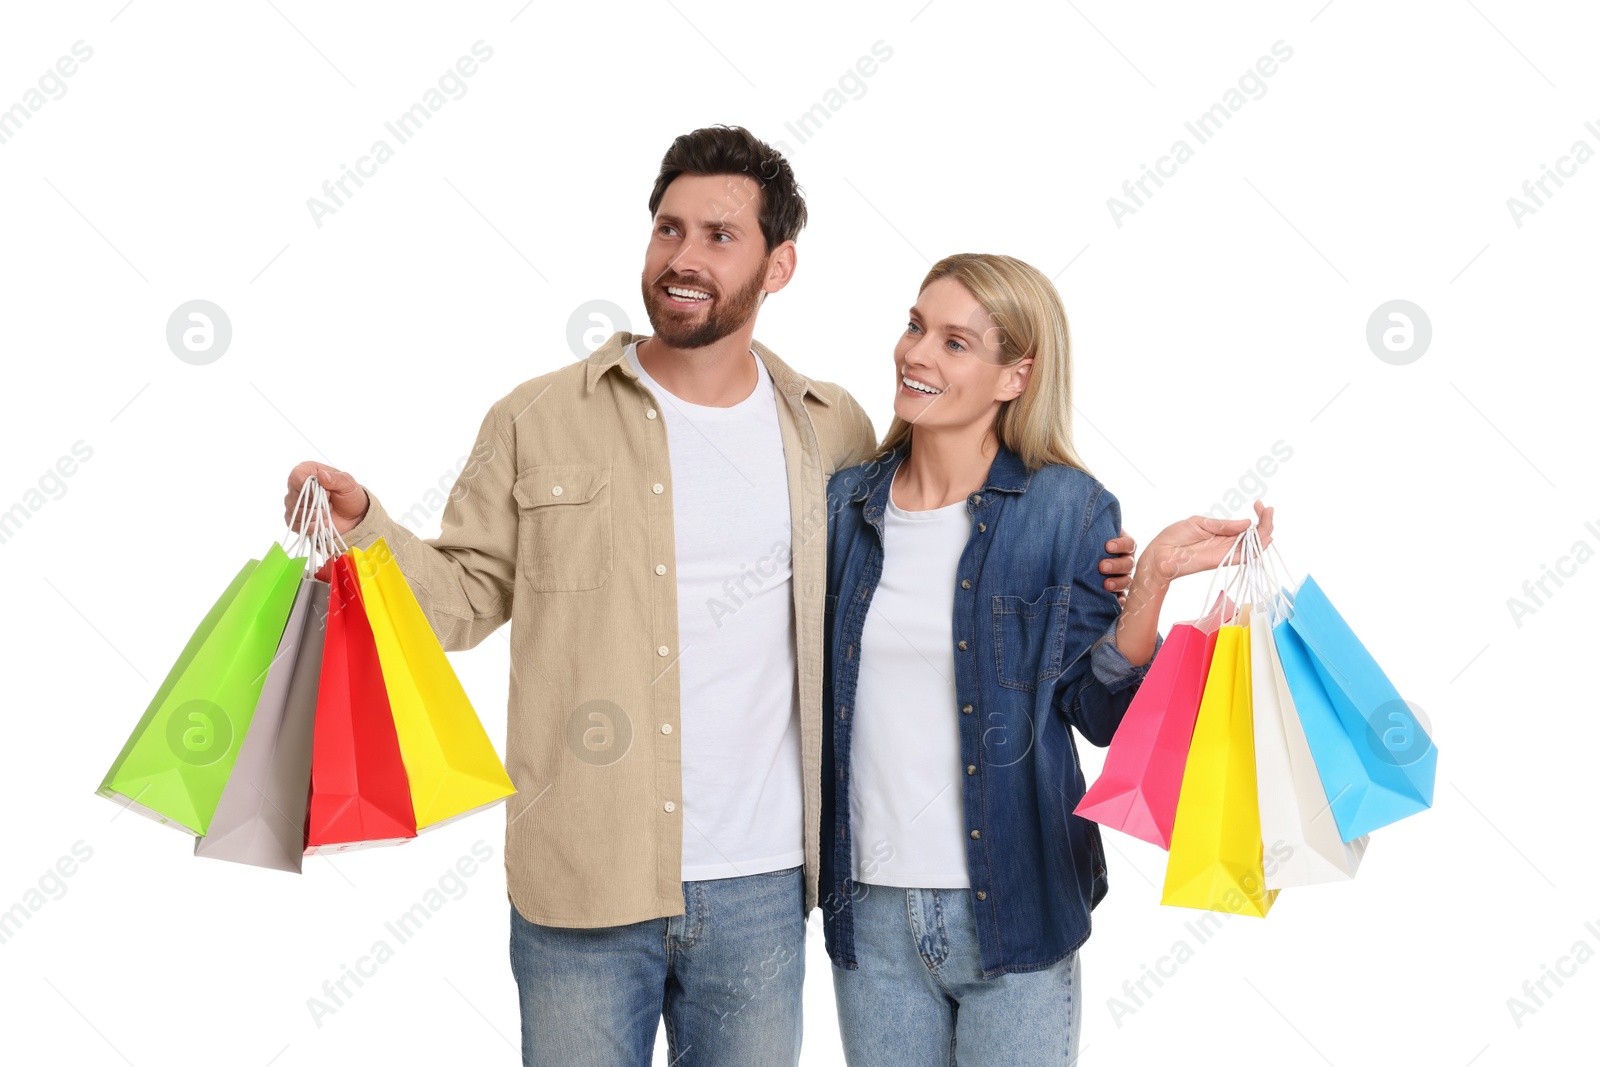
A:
707,263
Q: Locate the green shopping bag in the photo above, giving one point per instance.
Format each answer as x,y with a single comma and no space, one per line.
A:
175,763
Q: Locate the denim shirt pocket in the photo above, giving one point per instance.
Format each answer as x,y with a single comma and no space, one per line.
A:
1030,637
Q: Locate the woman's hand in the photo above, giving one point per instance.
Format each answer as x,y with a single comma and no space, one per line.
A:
1197,544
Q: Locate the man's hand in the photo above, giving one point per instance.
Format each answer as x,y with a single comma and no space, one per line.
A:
1119,565
346,498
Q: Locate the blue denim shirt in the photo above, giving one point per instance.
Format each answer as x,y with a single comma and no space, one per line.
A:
1035,654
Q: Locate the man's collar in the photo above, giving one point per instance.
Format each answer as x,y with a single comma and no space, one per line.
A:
610,355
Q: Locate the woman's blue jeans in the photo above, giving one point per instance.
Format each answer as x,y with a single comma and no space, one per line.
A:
918,997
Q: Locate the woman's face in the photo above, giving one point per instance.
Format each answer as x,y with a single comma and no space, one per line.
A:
951,350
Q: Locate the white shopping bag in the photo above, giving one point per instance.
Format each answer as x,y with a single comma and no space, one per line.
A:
1301,842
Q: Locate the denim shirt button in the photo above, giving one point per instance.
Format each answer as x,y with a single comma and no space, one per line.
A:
976,835
966,583
982,895
962,645
977,498
972,768
982,527
966,709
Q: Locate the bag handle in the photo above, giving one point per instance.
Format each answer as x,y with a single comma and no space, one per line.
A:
1257,582
1273,585
321,536
335,538
1237,546
1282,581
301,511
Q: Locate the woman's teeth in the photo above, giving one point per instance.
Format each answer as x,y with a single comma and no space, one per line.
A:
687,294
919,387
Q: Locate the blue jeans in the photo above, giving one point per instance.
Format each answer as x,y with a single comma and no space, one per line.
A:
726,975
918,996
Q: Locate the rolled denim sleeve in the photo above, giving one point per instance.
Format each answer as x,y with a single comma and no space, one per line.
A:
1112,668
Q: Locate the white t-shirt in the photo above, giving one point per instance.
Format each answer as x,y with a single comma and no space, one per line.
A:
905,751
742,804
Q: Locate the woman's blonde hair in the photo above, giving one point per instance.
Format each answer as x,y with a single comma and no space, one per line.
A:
1027,319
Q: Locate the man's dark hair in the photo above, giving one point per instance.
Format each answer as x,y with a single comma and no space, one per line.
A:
735,150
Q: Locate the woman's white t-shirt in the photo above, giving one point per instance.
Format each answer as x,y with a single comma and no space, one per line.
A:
905,758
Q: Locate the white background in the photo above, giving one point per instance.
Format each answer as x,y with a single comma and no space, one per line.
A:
1228,313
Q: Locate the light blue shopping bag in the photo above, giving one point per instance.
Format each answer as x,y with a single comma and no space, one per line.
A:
1376,760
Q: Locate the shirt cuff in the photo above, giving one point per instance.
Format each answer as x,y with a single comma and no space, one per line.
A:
1112,668
373,525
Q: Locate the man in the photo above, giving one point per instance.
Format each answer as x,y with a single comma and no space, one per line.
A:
652,521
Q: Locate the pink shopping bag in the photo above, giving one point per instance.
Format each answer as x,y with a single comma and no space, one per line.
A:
1137,791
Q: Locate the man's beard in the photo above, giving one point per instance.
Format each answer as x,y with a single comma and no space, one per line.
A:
727,315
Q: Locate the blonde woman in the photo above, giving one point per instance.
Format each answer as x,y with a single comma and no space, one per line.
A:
968,631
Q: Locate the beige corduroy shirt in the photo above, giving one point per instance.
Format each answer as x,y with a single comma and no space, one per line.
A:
562,524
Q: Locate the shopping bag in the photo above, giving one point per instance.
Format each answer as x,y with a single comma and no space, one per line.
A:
359,795
450,765
1376,761
174,765
1301,841
261,818
1215,861
1137,790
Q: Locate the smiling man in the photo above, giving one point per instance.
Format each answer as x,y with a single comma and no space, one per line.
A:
652,521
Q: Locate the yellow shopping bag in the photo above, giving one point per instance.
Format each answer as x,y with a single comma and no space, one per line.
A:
1215,861
452,768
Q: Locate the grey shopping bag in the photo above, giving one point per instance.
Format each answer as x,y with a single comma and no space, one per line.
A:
260,819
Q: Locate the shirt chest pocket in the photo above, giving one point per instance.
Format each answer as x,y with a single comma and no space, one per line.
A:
1030,637
564,526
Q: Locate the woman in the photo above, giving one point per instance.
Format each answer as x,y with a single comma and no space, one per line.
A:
968,629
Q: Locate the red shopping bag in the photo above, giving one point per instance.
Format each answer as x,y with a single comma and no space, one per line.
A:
359,793
1137,791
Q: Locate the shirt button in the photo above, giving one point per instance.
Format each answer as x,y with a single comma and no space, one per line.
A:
982,527
662,651
977,498
976,835
661,568
972,769
966,709
966,583
669,806
962,645
650,414
555,490
666,727
982,895
656,488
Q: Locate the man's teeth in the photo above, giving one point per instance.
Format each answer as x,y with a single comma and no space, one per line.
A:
687,294
919,387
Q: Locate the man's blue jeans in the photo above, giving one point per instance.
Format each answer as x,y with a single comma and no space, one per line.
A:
726,975
918,996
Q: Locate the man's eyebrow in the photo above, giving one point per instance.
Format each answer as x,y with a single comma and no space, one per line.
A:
725,223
